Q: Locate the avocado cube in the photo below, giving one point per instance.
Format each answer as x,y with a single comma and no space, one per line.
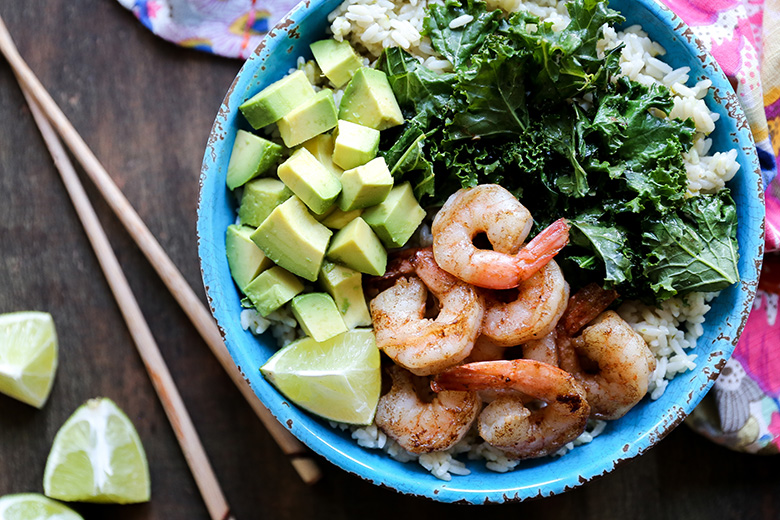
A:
277,99
365,185
318,316
314,116
272,288
396,218
260,198
313,183
252,156
358,248
369,100
345,285
354,144
321,147
293,239
245,259
337,218
337,60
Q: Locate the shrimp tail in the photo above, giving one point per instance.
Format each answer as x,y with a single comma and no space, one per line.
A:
466,378
544,246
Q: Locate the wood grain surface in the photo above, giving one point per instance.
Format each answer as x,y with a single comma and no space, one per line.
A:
145,107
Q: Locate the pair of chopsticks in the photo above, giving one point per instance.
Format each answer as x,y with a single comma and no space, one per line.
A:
52,121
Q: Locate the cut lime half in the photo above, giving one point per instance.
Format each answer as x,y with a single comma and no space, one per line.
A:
28,356
338,379
32,506
97,456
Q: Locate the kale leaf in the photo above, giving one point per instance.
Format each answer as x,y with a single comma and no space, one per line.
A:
494,99
568,64
458,44
407,158
610,245
693,249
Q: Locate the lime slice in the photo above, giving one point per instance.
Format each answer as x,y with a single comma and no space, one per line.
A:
32,506
97,456
28,356
338,379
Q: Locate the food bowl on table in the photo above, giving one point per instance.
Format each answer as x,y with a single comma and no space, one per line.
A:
644,426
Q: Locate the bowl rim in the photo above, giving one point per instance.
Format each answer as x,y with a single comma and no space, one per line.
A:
309,429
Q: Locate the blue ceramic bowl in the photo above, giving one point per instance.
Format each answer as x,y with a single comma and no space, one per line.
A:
644,426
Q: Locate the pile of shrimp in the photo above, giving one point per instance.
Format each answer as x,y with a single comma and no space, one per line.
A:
453,318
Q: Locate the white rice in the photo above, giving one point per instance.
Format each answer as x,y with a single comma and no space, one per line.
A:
670,330
373,25
281,322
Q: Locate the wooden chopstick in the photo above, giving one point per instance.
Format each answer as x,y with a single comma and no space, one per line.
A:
147,347
193,307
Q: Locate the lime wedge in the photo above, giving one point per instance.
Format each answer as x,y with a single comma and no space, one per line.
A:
32,506
338,379
28,356
97,456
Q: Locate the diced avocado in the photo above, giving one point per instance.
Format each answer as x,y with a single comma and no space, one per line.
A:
245,259
314,116
260,198
318,316
369,100
277,99
395,219
337,218
314,184
345,285
357,247
321,147
337,60
293,239
365,185
252,156
354,145
272,288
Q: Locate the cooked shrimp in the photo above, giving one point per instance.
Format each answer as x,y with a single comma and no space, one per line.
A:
508,423
494,211
532,313
623,362
427,345
485,350
424,425
544,349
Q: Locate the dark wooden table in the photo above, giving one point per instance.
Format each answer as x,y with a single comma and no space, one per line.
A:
145,107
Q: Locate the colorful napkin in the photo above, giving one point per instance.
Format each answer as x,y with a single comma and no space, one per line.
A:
231,28
743,409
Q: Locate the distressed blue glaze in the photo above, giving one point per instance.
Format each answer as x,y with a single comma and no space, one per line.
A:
644,426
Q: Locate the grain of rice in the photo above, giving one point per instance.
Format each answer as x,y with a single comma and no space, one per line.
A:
252,321
658,67
400,39
461,21
677,76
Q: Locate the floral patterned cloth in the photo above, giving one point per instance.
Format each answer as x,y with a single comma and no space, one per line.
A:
231,28
743,409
